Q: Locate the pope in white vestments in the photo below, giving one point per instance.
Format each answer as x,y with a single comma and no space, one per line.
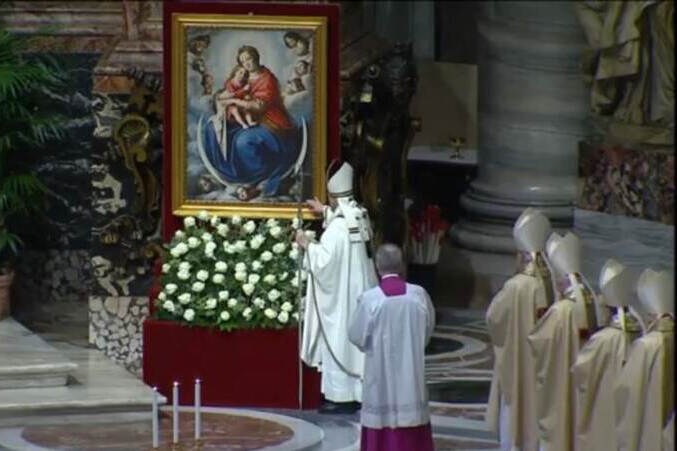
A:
512,314
599,362
555,342
645,396
340,271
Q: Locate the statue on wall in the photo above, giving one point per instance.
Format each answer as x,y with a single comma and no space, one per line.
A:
630,63
376,133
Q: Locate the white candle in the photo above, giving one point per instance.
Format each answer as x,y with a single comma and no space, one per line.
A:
198,400
175,412
156,431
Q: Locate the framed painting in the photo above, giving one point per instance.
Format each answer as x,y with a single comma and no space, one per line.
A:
249,107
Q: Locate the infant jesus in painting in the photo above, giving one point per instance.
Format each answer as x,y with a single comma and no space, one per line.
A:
236,87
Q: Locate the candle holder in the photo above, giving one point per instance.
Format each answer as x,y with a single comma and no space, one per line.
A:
457,143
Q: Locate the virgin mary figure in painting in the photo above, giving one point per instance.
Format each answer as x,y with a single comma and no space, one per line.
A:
260,156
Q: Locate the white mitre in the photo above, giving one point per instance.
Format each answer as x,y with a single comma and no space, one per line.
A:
531,230
340,187
656,291
615,283
564,252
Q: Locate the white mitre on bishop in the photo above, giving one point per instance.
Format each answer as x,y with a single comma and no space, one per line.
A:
615,283
340,187
656,292
531,231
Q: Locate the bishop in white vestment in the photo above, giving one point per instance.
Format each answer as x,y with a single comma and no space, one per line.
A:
392,325
512,314
340,271
555,342
599,363
645,393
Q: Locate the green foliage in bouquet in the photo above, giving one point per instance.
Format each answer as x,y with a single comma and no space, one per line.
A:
232,273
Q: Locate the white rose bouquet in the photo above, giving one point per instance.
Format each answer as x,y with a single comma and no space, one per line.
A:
231,273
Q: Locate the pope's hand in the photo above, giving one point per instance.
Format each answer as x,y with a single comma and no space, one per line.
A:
301,238
316,206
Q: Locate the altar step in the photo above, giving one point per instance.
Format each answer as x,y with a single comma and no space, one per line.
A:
95,384
27,361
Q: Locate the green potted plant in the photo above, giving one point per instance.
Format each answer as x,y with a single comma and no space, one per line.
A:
25,128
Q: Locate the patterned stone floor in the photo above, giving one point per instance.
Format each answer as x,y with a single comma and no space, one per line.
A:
458,371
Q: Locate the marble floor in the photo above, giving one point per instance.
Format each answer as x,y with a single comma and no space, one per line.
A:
458,364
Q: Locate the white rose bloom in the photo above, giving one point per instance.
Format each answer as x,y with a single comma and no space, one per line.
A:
310,234
295,223
188,221
270,279
254,279
182,248
169,306
222,229
193,242
236,220
189,314
162,296
184,266
225,316
287,307
257,241
175,252
272,222
229,248
258,302
171,288
223,295
183,275
295,315
247,313
240,276
203,215
179,234
266,256
206,237
293,254
283,317
270,313
279,248
256,265
218,278
221,266
248,288
275,231
214,221
240,266
273,294
185,298
294,282
240,245
198,287
232,302
295,245
283,276
211,303
210,246
249,226
166,267
202,275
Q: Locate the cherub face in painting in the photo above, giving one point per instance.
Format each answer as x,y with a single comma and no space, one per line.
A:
301,68
290,41
240,76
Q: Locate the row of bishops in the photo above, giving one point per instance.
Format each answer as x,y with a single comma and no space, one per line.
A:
577,371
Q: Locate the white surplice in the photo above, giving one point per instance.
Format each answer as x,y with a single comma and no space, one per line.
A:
644,393
341,271
510,317
597,368
393,332
554,342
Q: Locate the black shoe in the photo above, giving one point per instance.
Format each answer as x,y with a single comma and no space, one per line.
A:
339,408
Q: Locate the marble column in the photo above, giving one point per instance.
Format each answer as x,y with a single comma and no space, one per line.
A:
533,111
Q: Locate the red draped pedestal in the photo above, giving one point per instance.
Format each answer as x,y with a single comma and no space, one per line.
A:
242,368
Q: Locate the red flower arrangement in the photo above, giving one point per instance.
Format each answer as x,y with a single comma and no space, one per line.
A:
426,229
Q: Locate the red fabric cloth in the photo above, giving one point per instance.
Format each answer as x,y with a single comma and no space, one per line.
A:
393,286
242,368
417,438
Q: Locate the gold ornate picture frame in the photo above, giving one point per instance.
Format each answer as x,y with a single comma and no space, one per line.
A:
248,119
